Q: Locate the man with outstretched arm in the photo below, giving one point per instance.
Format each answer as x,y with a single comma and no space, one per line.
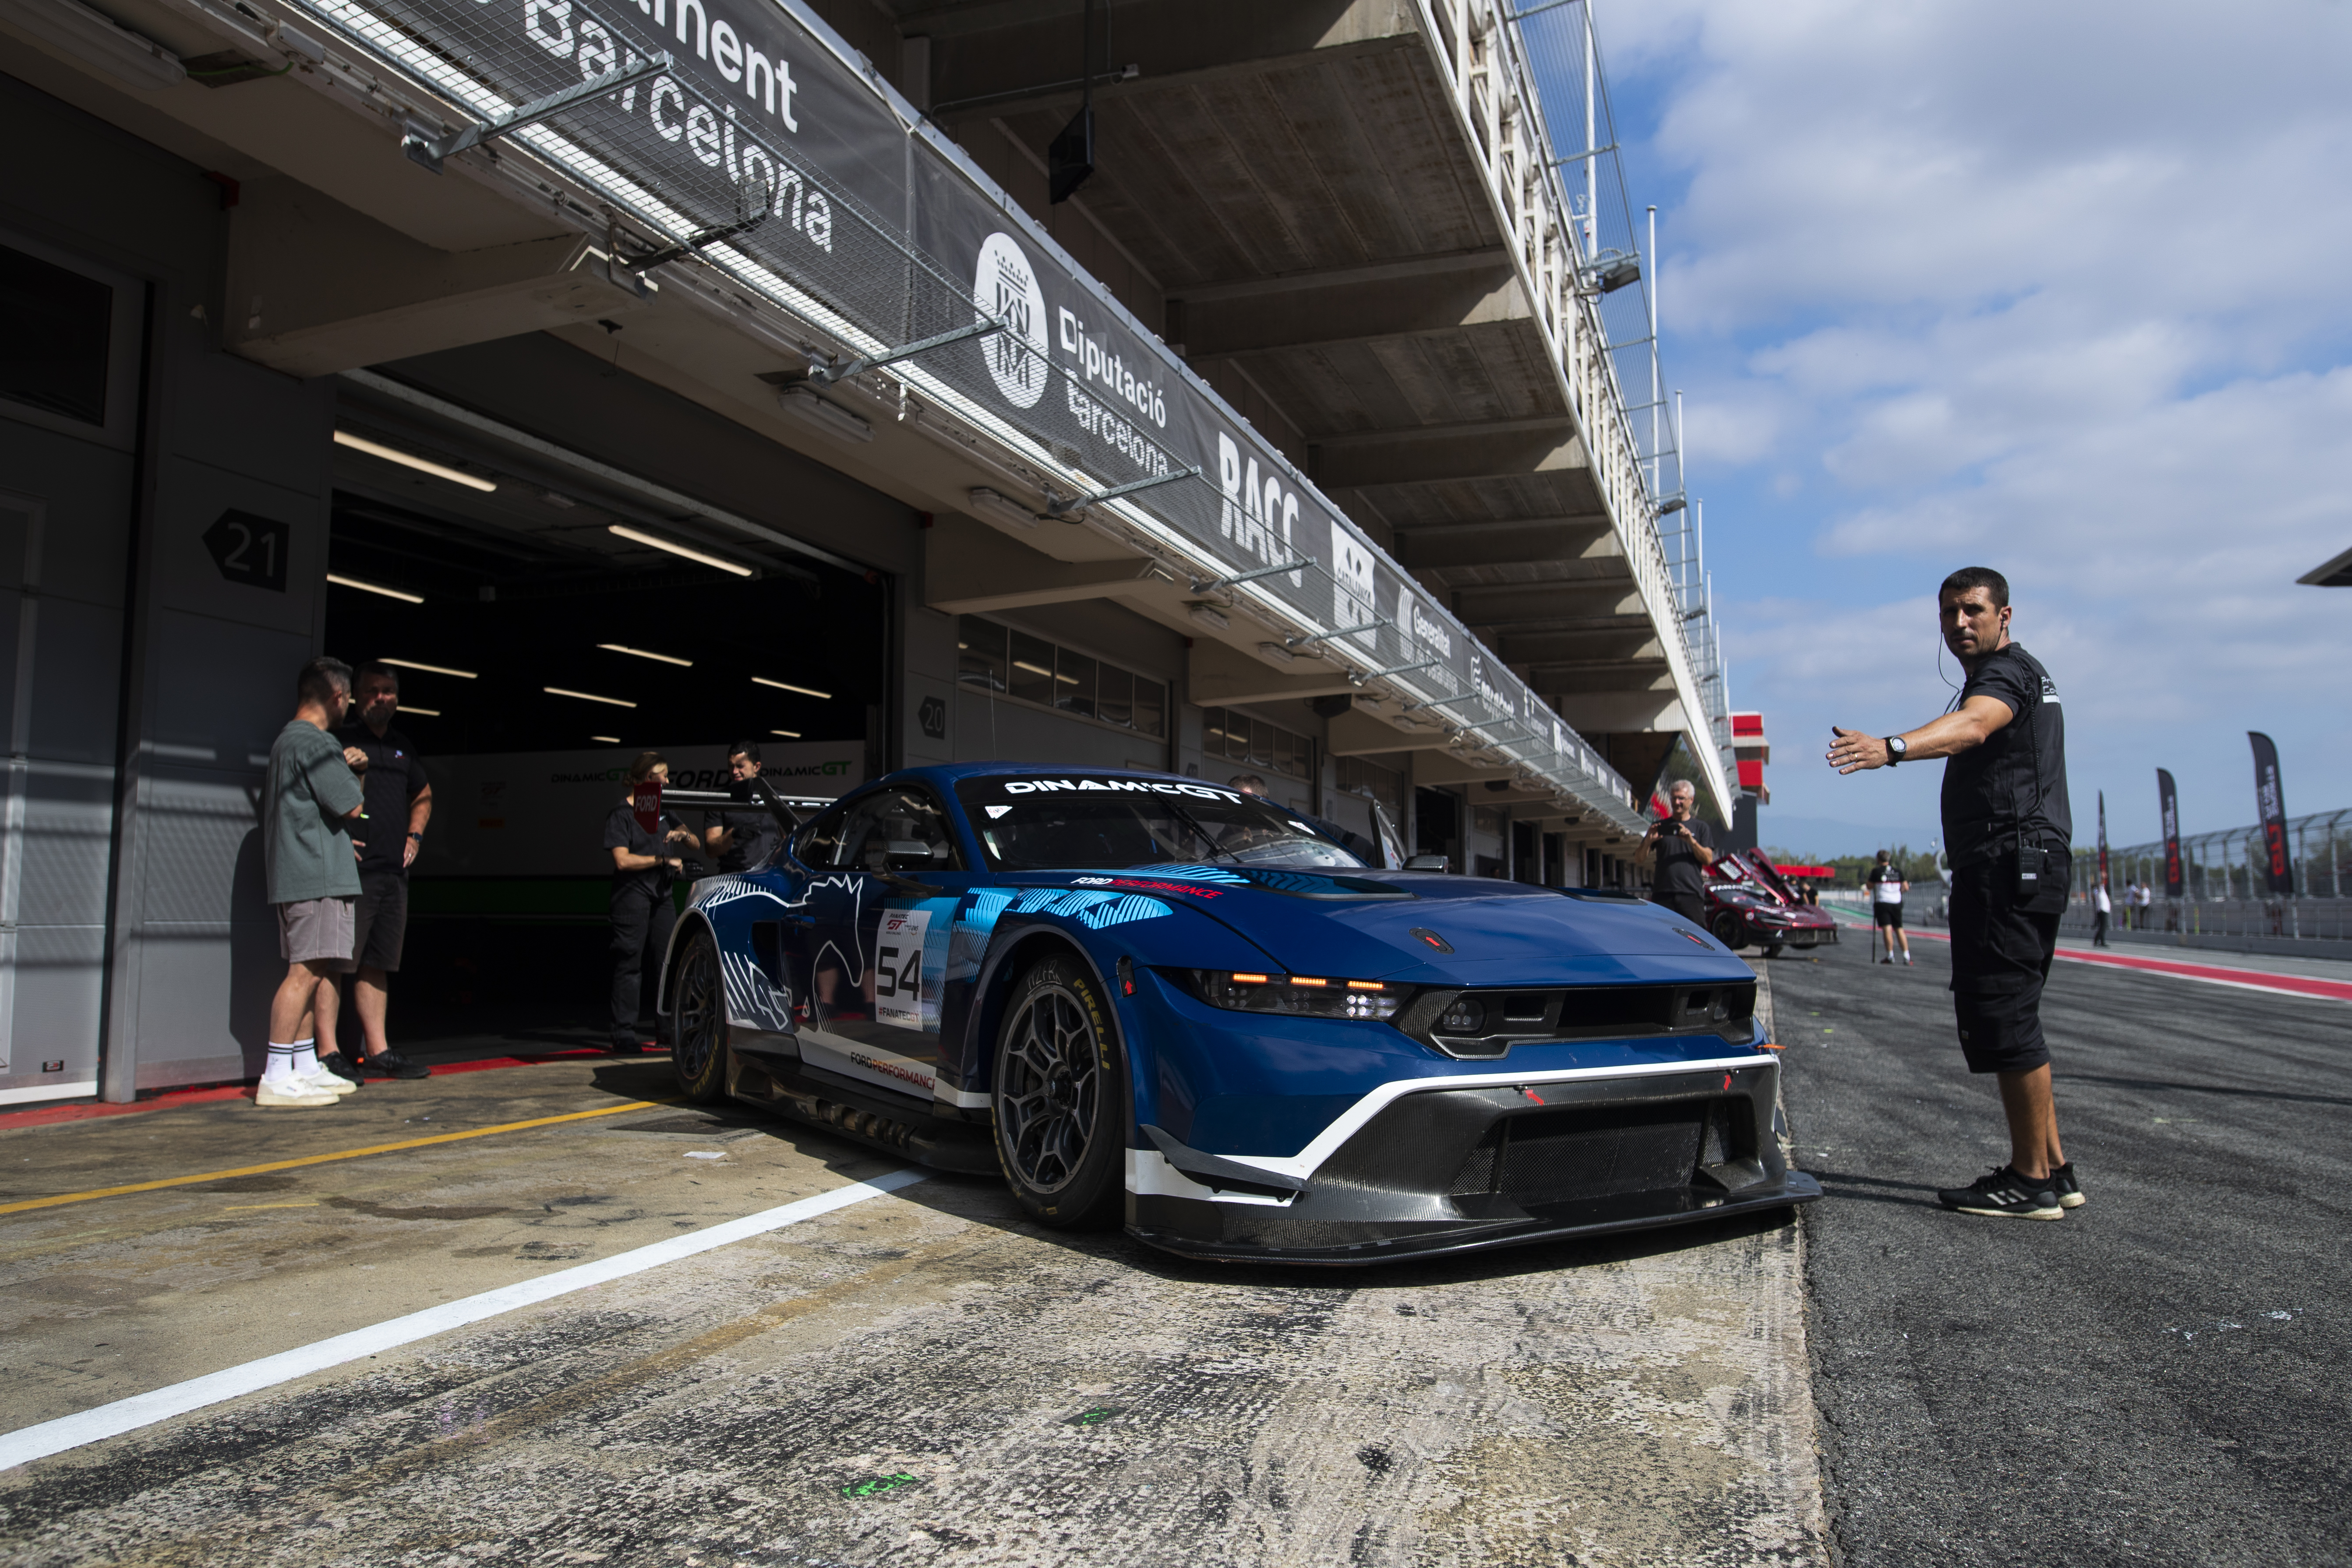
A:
2006,825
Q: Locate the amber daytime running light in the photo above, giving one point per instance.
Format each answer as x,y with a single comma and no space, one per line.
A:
1301,995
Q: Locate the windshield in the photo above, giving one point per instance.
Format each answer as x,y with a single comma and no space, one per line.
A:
1083,822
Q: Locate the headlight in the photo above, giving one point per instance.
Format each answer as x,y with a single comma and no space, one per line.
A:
1301,995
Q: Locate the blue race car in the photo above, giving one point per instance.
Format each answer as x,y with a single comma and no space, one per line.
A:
1142,996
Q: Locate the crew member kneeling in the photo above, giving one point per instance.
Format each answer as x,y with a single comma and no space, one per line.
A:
2007,826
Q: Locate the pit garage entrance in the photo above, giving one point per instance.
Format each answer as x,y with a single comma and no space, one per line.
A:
549,613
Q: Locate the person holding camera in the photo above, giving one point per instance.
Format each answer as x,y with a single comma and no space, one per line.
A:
2006,825
645,864
1682,847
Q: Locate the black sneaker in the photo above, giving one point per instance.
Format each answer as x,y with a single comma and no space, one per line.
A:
2069,1190
392,1064
340,1066
2004,1195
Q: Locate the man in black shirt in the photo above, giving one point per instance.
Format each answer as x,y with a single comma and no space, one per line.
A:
645,864
399,803
2006,825
1683,848
741,839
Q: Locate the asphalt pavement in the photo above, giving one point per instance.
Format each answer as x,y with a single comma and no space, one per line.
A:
2160,1378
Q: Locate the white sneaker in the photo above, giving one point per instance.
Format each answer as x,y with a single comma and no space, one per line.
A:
293,1091
326,1082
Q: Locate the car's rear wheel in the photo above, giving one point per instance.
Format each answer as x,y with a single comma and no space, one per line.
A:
698,1021
1727,931
1059,1094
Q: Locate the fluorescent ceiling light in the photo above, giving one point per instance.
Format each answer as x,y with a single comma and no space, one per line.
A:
1000,508
1032,669
830,417
430,668
641,653
608,740
1276,652
1212,619
586,696
677,549
406,461
786,686
787,734
376,588
424,713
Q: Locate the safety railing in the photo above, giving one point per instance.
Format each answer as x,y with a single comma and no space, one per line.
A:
1494,93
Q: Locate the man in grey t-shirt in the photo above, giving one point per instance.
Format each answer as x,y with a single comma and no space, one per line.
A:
309,806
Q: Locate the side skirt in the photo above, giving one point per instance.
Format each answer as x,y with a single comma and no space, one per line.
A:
903,1129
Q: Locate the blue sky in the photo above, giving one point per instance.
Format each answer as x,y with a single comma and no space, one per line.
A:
2061,290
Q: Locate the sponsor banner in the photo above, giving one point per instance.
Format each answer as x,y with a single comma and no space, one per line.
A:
2270,802
796,171
542,814
2102,838
2167,806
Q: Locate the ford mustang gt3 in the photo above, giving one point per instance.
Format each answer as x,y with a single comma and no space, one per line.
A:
1147,999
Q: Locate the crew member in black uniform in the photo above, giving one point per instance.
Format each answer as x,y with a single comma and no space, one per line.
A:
399,804
2007,826
1683,846
738,840
645,864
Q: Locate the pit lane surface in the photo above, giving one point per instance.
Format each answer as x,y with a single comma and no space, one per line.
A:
919,1377
2157,1379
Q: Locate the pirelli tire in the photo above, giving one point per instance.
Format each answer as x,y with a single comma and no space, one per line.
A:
697,1020
1059,1094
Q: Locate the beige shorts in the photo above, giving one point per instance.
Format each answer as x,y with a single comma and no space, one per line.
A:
316,930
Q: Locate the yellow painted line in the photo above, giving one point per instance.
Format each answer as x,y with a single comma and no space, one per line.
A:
319,1159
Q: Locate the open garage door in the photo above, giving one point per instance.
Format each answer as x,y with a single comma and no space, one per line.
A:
548,621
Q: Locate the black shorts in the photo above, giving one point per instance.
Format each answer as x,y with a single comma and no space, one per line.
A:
1887,915
2001,952
380,920
1691,906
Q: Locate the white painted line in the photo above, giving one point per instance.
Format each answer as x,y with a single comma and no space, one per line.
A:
30,1443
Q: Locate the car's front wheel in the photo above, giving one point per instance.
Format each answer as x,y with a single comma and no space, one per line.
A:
1727,931
698,1021
1059,1093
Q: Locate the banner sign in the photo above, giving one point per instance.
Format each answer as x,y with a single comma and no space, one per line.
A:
2168,806
769,156
2102,838
2270,804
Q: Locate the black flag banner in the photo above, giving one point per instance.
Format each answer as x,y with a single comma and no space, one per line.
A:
2271,801
2167,806
2102,838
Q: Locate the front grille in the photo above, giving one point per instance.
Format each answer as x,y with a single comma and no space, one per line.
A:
1507,1018
1599,1151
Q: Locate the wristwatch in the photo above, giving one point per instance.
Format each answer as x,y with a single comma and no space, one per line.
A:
1897,749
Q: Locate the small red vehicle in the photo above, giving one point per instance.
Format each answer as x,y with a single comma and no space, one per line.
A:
1750,904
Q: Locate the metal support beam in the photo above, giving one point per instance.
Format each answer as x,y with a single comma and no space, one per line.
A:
431,153
827,374
1373,625
1067,508
1210,584
1370,675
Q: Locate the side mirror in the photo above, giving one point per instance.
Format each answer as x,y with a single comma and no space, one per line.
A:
1428,863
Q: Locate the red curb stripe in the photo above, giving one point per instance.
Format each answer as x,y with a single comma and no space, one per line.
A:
2212,974
171,1100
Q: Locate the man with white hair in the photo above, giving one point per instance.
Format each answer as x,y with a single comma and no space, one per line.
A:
1682,847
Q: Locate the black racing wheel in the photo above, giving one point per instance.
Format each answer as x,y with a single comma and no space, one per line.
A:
1059,1094
698,1021
1727,931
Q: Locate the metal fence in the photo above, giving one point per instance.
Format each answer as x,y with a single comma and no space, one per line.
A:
2219,867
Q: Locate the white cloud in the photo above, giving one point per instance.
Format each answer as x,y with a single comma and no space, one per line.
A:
2057,290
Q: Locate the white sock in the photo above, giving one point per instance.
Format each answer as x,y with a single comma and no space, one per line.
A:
281,1064
306,1058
